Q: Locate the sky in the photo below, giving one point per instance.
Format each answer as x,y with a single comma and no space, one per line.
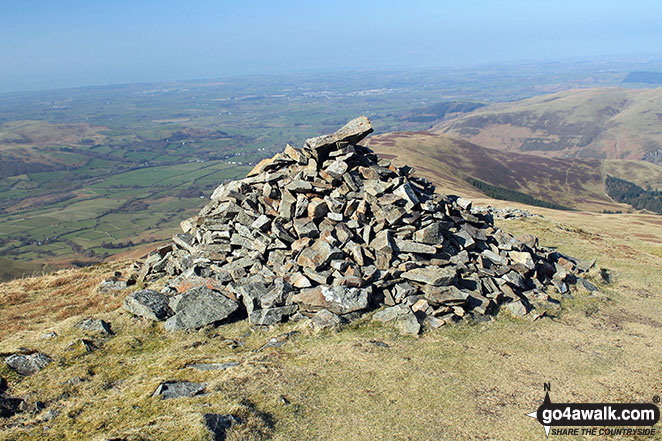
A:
69,43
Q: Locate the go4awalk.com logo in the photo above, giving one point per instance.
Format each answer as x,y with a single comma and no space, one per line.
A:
625,419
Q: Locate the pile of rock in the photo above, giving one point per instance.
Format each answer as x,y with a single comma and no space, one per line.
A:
329,231
505,212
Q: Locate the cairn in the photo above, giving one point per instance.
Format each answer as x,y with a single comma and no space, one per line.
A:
330,231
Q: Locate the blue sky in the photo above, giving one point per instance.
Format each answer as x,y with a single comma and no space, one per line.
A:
68,43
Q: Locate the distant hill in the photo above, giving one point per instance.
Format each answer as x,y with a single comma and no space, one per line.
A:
438,111
605,123
644,77
460,167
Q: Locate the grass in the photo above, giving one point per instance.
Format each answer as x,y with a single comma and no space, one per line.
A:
464,381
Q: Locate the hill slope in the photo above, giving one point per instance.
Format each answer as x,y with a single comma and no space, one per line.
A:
449,161
365,382
604,123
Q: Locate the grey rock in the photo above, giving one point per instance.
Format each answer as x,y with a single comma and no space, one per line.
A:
200,307
391,313
401,317
337,299
352,132
337,169
523,258
431,275
517,308
408,246
185,241
431,235
324,319
318,255
178,389
112,285
28,364
588,286
149,304
270,316
494,257
94,325
445,295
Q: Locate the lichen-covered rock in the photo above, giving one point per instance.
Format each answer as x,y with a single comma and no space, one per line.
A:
149,304
28,364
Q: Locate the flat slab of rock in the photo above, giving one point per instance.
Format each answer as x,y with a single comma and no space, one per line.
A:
431,275
28,364
200,307
352,132
149,304
178,389
337,299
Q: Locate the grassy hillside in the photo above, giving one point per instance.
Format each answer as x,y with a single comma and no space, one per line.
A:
365,382
611,123
449,161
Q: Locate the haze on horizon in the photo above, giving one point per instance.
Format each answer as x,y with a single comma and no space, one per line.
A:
71,43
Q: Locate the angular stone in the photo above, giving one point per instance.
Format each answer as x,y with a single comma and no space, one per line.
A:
337,169
295,154
299,186
318,255
298,280
522,258
464,240
431,275
184,241
337,299
317,208
431,235
446,295
200,307
287,205
149,304
517,308
270,316
261,223
28,364
94,325
407,324
391,313
405,191
178,389
324,319
408,246
352,132
304,227
494,257
382,242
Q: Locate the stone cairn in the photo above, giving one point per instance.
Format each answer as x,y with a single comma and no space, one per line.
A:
329,231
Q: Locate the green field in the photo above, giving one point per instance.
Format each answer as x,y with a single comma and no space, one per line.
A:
117,164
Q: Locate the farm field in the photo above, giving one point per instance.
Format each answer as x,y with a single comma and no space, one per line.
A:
91,173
